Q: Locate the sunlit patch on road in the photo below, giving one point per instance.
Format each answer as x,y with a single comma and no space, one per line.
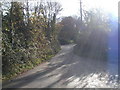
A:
94,80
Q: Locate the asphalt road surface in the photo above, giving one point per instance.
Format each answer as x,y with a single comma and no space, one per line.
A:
66,70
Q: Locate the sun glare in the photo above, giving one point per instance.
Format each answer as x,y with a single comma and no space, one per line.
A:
109,6
71,7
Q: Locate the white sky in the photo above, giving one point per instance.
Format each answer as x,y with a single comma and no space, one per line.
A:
71,7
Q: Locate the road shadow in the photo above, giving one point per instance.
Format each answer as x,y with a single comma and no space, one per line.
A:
64,70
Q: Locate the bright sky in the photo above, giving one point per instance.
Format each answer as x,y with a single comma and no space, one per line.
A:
71,7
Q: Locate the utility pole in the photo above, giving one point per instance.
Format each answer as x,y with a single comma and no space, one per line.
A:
81,10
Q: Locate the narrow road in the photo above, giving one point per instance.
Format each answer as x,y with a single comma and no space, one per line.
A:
66,70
